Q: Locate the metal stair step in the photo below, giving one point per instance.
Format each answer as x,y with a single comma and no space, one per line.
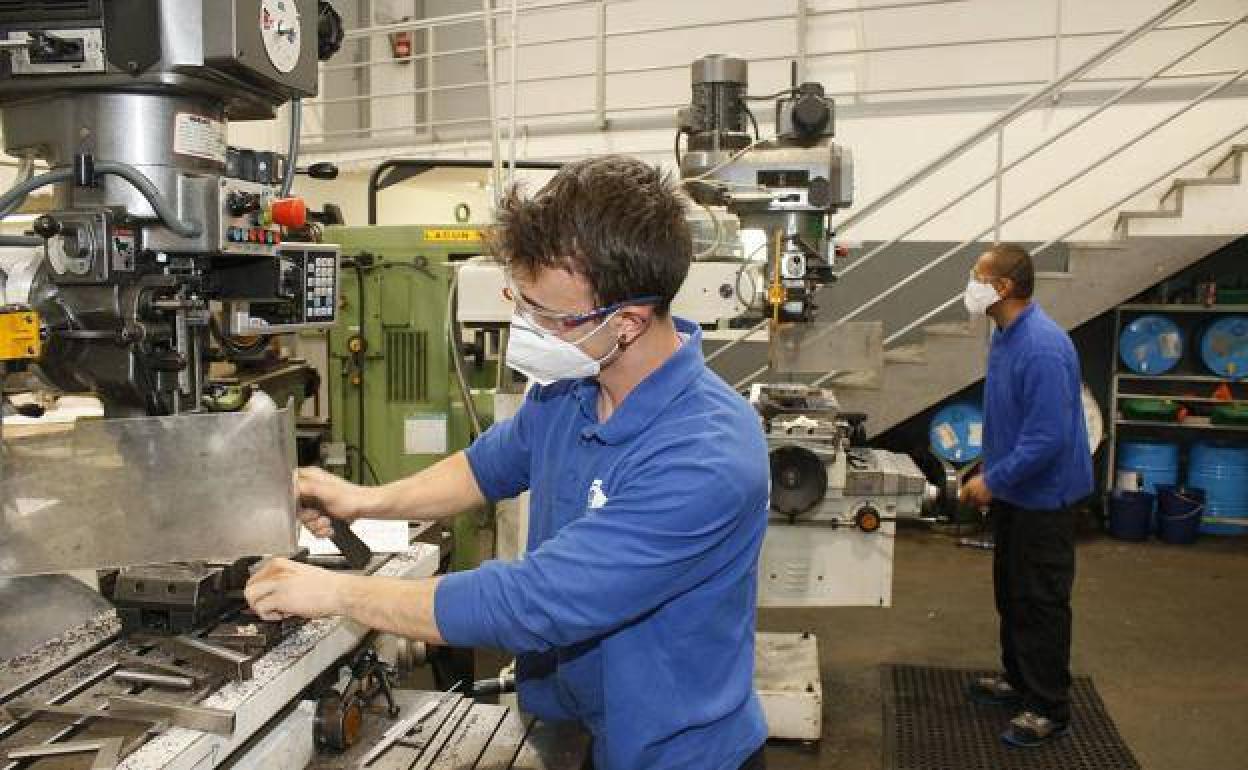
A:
949,329
1204,181
1096,245
1149,214
906,354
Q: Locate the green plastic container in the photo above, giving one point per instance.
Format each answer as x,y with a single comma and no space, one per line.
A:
1230,414
1233,296
1155,409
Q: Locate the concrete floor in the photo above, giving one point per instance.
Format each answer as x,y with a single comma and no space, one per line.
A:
1162,630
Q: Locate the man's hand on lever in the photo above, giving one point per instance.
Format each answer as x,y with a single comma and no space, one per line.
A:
324,496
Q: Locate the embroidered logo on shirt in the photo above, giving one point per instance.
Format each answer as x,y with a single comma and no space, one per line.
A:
597,498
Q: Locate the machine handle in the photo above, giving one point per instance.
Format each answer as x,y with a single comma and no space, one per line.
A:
353,549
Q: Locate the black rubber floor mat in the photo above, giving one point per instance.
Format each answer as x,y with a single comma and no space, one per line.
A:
930,724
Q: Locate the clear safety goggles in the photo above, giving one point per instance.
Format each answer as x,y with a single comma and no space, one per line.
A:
553,322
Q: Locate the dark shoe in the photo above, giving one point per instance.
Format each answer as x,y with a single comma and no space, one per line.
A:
1029,729
994,691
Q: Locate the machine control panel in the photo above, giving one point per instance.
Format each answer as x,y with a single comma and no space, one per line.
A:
300,291
246,224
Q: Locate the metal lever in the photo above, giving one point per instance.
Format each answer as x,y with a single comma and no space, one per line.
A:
353,549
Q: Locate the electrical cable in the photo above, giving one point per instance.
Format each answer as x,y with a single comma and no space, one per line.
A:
726,162
457,357
757,134
709,250
292,151
769,97
676,148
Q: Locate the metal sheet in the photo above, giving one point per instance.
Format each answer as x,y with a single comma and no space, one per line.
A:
819,348
122,492
47,605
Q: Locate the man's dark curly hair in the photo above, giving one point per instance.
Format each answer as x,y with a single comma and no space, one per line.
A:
614,220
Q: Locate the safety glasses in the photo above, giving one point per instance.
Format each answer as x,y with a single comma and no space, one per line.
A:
542,319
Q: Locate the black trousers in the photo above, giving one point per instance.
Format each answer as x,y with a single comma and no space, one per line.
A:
1033,571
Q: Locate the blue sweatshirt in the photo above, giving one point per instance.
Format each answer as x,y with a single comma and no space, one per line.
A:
1035,442
633,610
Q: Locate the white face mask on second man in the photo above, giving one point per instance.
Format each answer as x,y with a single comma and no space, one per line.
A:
979,296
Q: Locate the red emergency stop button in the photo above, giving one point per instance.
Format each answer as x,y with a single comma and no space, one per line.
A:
289,212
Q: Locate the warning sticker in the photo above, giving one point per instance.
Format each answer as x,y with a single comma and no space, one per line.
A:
453,234
199,137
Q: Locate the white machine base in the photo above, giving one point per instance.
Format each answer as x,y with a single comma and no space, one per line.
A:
786,676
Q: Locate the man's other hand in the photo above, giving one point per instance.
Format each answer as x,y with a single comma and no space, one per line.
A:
282,588
323,496
975,492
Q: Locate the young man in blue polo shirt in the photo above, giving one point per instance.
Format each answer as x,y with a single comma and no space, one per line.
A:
1036,466
633,610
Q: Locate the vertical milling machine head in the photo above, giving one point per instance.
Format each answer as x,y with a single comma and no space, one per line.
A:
787,185
127,101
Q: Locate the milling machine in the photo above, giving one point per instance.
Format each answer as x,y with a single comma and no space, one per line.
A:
786,186
160,239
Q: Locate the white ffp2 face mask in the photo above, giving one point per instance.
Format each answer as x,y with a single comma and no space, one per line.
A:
979,296
545,358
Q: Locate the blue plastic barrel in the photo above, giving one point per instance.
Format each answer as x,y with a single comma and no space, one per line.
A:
1179,512
956,432
1156,462
1222,471
1224,346
1131,515
1151,344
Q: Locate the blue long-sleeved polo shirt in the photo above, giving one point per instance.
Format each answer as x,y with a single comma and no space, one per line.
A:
633,611
1035,442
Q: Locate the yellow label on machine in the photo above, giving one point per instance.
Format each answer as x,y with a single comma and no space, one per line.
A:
462,235
19,335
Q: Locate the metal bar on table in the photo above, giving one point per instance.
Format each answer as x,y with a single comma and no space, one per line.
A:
192,717
220,660
163,681
45,750
1023,105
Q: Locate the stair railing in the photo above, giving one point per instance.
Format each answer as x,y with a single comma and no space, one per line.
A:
995,130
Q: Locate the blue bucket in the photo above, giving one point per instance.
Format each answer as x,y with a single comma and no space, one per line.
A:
1224,346
1131,515
1156,462
956,432
1151,344
1222,471
1179,512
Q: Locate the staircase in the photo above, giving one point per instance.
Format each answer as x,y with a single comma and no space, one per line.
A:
931,353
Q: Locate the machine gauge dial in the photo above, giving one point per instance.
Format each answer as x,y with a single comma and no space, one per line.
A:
279,28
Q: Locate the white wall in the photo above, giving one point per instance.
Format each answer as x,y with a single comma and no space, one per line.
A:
890,134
